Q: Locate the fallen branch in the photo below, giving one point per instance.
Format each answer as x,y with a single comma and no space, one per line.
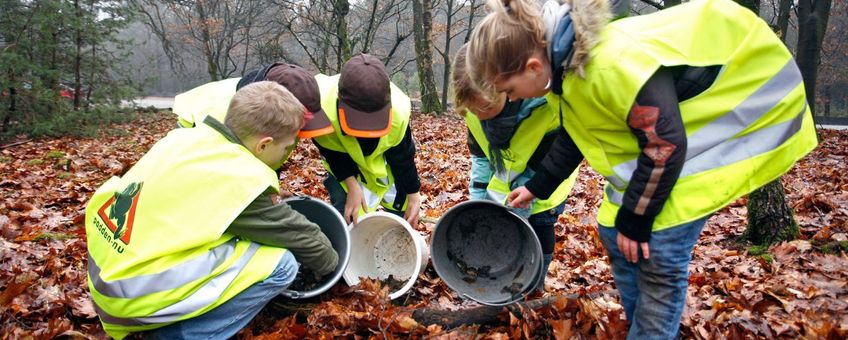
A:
15,143
485,315
481,315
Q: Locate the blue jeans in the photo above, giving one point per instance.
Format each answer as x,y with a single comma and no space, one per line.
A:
229,318
543,225
653,291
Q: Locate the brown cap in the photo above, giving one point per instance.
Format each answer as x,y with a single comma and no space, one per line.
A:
365,97
303,86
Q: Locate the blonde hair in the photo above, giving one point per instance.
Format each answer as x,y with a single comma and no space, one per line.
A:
264,108
513,32
503,41
462,89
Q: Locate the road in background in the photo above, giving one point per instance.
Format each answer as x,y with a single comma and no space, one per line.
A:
157,102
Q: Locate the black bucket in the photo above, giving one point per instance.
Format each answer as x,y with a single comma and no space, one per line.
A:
486,253
333,225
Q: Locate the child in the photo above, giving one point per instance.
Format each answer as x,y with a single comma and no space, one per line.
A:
212,99
370,157
507,140
683,111
188,243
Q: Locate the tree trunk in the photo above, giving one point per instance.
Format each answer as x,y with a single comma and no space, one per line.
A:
470,27
423,23
91,81
78,56
770,220
446,54
206,37
669,3
10,111
784,9
52,79
341,9
812,23
827,99
753,5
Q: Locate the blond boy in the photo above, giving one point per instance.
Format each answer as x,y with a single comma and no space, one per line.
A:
188,243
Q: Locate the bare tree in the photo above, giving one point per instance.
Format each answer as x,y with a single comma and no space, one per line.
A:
661,4
812,25
783,11
834,60
454,26
422,12
329,32
216,30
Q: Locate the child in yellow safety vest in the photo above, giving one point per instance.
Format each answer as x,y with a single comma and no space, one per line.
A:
189,243
370,156
507,140
683,111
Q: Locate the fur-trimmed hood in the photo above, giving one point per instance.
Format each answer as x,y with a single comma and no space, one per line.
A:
588,18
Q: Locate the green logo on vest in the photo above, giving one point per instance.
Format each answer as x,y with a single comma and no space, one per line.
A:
121,212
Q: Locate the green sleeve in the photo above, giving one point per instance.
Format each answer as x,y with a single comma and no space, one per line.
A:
279,225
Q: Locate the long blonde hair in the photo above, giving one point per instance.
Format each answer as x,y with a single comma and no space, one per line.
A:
513,32
503,41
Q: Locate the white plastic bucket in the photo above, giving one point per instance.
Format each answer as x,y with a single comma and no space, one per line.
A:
383,244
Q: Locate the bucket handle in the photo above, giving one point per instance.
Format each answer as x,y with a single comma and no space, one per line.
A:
291,293
495,303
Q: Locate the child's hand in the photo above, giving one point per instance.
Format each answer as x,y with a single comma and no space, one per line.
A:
630,248
413,207
355,200
520,198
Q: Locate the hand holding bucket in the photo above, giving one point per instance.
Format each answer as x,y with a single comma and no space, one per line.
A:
384,246
333,226
486,253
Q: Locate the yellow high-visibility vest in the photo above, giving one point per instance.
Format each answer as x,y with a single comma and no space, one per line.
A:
157,242
210,99
527,137
745,131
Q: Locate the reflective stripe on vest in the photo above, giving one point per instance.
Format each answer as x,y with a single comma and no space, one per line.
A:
747,129
171,278
205,295
713,145
753,144
507,176
147,264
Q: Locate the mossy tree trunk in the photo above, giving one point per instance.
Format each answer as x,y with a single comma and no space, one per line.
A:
770,219
422,27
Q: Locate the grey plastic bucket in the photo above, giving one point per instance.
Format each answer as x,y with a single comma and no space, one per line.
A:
486,253
333,225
